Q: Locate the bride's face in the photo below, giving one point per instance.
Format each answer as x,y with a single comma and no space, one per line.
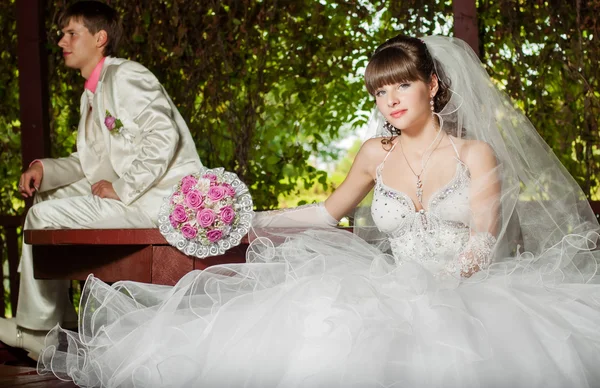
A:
405,105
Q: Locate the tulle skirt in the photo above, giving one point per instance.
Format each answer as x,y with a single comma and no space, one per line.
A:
325,309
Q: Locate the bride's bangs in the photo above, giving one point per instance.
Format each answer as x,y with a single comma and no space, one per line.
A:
390,66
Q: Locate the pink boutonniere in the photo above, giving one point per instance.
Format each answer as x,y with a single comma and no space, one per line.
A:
112,123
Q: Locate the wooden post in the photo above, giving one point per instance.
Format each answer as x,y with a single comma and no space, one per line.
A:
33,80
465,22
10,225
33,102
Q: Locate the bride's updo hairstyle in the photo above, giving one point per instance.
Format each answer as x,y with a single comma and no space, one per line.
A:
405,59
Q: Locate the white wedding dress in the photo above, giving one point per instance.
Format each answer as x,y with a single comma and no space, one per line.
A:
323,308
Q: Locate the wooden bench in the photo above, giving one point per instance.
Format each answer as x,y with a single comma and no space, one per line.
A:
111,255
122,254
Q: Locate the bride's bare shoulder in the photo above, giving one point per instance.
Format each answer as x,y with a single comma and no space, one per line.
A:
372,152
375,147
474,152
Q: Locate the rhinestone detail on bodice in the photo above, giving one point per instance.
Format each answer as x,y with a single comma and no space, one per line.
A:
432,236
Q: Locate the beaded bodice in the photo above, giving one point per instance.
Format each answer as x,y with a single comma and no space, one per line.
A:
432,236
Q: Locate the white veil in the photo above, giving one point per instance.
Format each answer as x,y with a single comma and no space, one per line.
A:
545,220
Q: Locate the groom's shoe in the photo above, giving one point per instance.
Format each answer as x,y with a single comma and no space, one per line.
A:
18,337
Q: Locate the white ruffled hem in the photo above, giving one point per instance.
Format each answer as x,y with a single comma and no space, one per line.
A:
325,309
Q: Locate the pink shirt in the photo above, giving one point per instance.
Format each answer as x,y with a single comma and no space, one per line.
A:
92,82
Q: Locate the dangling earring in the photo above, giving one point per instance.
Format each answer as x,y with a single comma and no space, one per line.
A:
431,106
390,128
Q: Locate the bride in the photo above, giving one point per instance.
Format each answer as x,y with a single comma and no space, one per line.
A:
474,264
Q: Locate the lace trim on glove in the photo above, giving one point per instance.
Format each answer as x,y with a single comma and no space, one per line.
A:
475,257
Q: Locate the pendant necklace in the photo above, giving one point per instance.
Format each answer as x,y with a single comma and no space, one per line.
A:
423,165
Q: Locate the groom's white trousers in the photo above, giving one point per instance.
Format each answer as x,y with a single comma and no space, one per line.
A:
44,303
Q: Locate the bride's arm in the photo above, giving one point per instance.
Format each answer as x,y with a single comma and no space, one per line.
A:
359,181
346,197
484,201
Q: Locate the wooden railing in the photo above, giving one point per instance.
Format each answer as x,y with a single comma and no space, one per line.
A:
10,226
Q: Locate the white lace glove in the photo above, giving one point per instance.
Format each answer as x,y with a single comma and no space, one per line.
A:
475,257
313,215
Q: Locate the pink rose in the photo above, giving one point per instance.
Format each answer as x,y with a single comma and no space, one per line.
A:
216,193
227,214
229,190
109,121
173,221
179,214
189,178
205,217
189,231
194,199
211,177
214,235
187,185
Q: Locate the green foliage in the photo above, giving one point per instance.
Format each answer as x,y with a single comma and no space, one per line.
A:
265,86
547,64
10,137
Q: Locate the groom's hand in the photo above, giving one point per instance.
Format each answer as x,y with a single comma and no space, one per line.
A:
104,189
30,180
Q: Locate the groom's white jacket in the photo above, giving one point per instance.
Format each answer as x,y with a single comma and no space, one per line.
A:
154,149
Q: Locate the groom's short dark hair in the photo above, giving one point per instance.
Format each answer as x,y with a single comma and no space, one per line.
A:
96,16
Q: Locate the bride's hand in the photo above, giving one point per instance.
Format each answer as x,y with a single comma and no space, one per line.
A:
475,257
469,265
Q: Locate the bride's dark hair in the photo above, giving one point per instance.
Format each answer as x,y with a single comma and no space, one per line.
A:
403,59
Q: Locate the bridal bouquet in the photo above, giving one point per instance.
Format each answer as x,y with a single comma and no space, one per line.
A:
207,213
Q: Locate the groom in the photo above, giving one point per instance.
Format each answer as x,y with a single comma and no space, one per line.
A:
132,147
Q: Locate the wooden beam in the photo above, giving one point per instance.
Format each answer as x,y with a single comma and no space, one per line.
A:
33,80
465,22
